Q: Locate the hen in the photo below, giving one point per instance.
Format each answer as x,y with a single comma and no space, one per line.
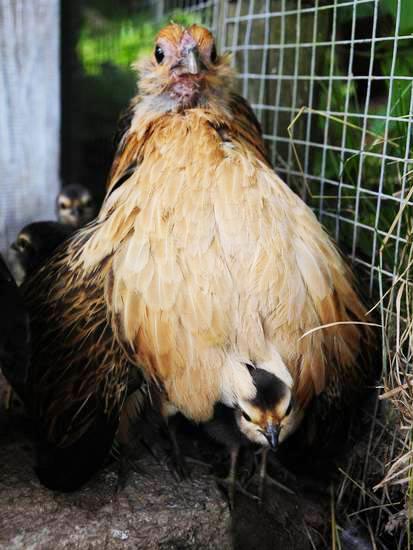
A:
200,262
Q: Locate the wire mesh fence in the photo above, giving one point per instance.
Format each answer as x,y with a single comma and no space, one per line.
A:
208,11
331,82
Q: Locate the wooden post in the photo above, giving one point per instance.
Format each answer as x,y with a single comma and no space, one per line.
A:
29,113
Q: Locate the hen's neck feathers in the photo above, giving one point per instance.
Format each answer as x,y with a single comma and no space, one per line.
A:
228,113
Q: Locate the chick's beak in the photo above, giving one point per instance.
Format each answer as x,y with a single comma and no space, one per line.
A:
271,434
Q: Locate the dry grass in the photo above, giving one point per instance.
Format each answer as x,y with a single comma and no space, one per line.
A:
376,488
397,313
385,506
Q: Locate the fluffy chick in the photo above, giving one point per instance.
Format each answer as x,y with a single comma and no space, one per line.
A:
75,206
34,244
262,420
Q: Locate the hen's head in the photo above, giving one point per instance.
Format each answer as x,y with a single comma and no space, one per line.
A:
185,70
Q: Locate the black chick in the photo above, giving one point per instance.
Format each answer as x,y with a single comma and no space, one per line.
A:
15,343
75,206
34,245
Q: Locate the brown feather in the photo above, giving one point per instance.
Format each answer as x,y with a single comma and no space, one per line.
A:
75,357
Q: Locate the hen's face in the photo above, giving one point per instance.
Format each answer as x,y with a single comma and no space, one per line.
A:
185,69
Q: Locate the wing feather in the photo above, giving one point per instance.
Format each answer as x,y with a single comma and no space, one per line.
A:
78,376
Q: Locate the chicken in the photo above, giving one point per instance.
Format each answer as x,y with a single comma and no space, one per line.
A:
201,261
218,263
34,244
252,423
75,206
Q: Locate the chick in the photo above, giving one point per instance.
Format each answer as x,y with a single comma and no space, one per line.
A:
75,206
34,245
263,420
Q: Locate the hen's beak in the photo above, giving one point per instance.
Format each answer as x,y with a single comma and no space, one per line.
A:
271,434
190,62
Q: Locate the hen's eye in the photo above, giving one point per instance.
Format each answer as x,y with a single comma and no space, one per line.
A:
246,416
159,55
213,54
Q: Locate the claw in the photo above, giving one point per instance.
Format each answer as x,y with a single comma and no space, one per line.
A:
125,466
231,483
232,488
264,477
177,463
178,467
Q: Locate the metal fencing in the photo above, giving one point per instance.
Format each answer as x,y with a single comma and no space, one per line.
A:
331,82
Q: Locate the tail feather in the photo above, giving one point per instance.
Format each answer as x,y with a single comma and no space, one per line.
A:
66,469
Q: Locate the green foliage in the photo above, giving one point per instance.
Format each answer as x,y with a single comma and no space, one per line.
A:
360,168
406,13
366,9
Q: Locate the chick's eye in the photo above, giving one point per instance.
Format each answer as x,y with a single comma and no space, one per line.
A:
159,55
246,416
214,54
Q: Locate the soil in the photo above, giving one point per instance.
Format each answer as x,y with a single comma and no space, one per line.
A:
153,510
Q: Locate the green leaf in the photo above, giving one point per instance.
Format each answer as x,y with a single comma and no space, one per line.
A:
406,13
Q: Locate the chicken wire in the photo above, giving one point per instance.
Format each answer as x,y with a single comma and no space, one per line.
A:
328,81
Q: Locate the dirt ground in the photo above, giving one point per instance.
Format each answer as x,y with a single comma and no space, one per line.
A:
153,510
